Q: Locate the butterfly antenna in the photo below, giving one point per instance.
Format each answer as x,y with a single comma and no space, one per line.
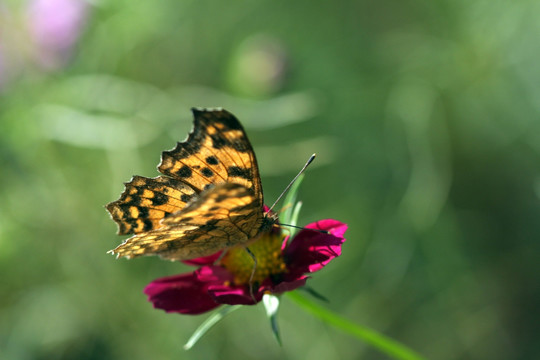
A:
311,158
303,228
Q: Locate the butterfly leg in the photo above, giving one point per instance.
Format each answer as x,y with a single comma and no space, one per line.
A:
252,274
221,256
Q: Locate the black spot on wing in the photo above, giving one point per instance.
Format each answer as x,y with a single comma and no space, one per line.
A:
185,197
132,223
133,201
124,228
147,225
208,227
212,160
126,211
184,172
207,172
239,172
230,121
159,199
218,141
143,212
242,146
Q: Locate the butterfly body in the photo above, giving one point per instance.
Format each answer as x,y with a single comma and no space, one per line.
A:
209,199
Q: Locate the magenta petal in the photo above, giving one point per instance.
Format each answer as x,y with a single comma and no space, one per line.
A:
289,285
205,260
233,295
310,251
213,275
183,293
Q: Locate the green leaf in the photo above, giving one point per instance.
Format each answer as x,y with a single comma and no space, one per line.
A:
208,324
313,293
289,203
294,219
382,343
271,305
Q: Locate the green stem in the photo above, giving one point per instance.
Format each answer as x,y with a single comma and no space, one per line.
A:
209,323
384,344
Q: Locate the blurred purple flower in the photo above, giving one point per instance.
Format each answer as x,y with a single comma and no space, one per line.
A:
282,266
55,26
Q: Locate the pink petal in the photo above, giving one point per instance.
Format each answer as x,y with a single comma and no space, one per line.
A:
213,275
183,293
234,295
205,260
289,285
310,251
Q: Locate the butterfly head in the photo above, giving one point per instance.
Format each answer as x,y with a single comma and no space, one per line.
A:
270,218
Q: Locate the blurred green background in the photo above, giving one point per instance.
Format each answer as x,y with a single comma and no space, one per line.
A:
424,115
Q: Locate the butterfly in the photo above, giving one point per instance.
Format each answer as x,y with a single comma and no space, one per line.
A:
209,199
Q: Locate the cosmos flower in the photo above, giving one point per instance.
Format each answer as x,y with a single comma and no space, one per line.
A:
55,26
282,265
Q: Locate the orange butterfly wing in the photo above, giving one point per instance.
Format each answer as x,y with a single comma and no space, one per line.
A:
210,199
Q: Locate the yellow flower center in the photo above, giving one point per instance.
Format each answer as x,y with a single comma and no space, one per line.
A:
266,249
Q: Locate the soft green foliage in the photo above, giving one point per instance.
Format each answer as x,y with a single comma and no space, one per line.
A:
425,120
212,320
380,342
